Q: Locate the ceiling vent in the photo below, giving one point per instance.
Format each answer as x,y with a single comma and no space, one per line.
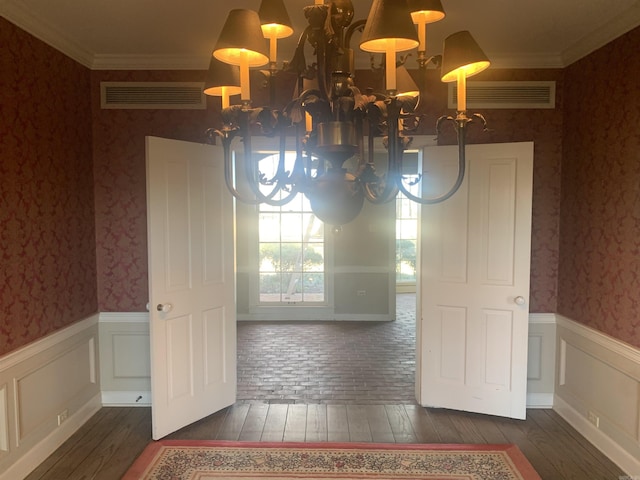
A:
152,95
506,95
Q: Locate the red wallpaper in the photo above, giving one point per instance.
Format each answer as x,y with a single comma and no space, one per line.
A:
599,273
120,178
47,246
120,185
51,262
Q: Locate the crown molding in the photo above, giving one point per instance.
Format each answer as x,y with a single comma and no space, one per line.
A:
150,62
527,60
18,15
603,35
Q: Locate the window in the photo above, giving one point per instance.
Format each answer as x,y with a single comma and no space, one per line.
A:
406,239
291,249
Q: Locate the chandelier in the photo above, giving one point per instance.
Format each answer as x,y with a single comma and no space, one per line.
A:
328,116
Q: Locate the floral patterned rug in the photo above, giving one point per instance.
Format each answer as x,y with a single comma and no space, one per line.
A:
212,460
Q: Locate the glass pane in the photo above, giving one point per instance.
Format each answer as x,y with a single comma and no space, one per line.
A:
291,287
406,228
269,227
313,228
406,260
291,257
269,260
313,258
291,227
270,287
313,287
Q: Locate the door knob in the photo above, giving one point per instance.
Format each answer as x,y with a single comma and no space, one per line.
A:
519,300
164,307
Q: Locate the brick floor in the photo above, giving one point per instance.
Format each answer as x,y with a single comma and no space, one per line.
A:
329,362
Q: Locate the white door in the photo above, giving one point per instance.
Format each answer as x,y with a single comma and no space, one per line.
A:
191,284
474,292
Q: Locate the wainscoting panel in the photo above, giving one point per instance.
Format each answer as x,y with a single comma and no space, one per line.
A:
598,390
124,359
541,360
125,368
48,389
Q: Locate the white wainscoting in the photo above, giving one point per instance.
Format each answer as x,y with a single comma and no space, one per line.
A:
598,391
48,389
124,359
541,363
125,369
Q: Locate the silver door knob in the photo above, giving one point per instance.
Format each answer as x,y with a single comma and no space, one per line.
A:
164,307
519,300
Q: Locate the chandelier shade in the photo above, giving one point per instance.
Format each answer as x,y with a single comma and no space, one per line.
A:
274,19
222,80
426,11
389,22
405,83
461,53
422,13
241,39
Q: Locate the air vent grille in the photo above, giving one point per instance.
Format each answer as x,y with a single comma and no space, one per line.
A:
506,94
152,95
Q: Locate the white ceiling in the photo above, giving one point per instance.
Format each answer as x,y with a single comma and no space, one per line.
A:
172,34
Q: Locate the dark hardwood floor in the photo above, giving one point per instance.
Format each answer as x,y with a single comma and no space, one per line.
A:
110,441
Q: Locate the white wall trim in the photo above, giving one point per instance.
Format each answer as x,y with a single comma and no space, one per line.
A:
618,347
124,317
39,346
542,318
605,444
592,367
35,456
126,399
539,400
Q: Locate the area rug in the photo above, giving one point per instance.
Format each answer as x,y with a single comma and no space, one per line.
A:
211,460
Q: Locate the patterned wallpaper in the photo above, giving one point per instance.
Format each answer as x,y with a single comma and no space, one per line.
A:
599,273
120,179
47,246
120,185
47,211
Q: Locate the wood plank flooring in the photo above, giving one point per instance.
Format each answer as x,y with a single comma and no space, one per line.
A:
112,439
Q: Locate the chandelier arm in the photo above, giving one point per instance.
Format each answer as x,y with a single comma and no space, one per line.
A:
227,138
319,46
394,150
461,129
250,172
357,25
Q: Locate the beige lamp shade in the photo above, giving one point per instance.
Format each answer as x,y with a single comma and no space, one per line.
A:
389,23
406,86
462,54
426,11
241,39
222,79
274,19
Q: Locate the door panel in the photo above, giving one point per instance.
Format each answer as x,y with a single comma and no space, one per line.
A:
475,252
191,284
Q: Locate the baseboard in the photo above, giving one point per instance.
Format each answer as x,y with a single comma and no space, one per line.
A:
48,389
35,456
605,444
598,390
540,400
126,399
